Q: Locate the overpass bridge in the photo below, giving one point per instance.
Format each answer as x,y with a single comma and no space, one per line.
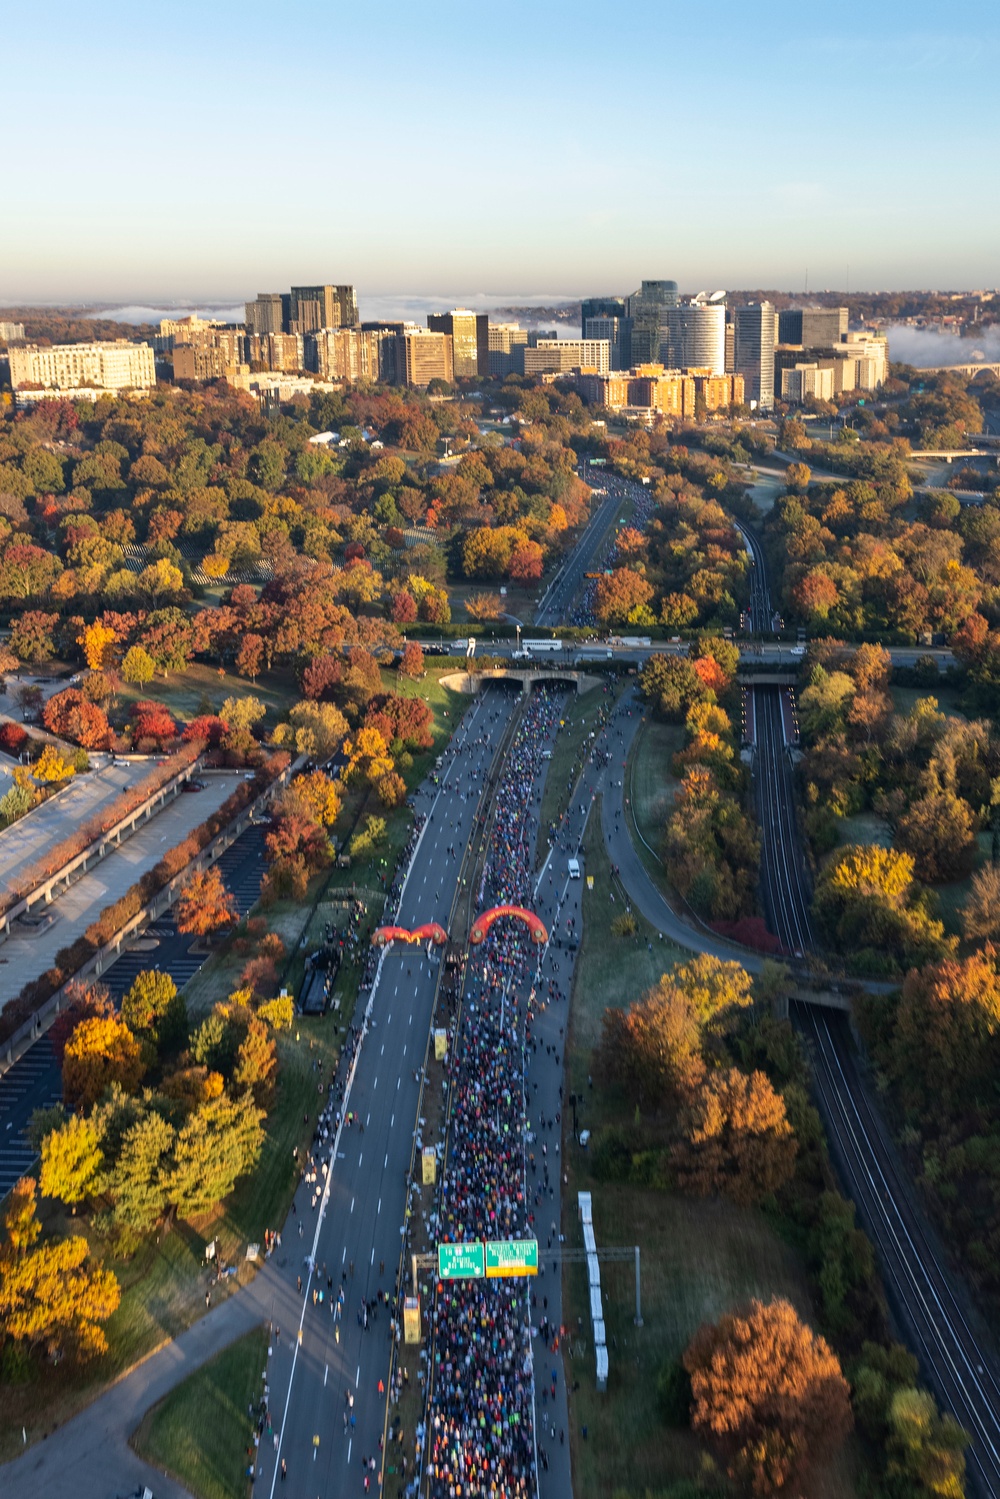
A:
525,678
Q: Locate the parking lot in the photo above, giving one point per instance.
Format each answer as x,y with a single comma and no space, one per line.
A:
26,955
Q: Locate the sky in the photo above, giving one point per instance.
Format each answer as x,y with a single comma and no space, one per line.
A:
199,151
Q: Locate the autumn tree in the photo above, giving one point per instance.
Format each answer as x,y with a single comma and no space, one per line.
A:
218,1143
154,1010
981,911
946,1038
925,1450
97,641
70,716
672,686
737,1141
411,662
320,795
204,904
138,1180
51,767
314,728
48,1296
100,1052
71,1160
769,1393
621,598
256,1061
867,903
138,667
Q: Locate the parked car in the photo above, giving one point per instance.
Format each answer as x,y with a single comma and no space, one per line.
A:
194,785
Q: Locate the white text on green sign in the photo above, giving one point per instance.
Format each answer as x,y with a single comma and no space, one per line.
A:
461,1261
511,1257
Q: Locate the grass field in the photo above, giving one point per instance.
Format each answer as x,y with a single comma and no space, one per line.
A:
201,1430
580,718
203,689
610,970
699,1258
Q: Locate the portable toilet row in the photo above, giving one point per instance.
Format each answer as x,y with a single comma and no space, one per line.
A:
585,1209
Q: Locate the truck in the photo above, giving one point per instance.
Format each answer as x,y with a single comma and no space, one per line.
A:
542,647
633,641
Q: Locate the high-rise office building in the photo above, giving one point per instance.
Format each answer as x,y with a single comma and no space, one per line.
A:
648,308
812,327
617,331
315,307
423,356
470,337
10,332
269,313
753,352
696,336
504,338
600,307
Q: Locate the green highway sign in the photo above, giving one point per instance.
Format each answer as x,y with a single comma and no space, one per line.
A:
511,1257
461,1261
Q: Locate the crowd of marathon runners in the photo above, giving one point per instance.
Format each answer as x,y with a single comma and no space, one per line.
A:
480,1437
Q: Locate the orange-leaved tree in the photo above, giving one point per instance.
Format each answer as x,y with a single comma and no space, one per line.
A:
737,1140
101,1051
770,1393
204,904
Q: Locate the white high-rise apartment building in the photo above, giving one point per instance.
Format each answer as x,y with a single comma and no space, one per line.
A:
101,366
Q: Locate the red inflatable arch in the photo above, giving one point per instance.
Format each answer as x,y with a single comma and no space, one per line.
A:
483,923
383,935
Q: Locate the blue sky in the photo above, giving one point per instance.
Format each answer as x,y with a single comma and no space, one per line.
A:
206,151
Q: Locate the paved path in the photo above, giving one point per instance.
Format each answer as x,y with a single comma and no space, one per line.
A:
632,871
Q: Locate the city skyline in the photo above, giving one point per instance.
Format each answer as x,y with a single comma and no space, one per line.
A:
817,148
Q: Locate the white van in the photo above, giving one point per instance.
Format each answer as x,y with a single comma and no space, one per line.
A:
574,869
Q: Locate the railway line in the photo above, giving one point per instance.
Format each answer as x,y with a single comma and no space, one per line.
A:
955,1351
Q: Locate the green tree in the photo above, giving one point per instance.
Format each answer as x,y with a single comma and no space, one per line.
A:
154,1009
138,1181
926,1450
219,1143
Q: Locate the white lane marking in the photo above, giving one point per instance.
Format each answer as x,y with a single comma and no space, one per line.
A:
386,1161
379,1208
352,1204
349,1446
343,1258
357,1377
374,1085
373,1254
361,1157
326,1372
391,1123
368,1120
382,1052
404,1048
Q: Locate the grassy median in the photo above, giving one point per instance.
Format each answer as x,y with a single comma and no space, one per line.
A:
699,1257
200,1432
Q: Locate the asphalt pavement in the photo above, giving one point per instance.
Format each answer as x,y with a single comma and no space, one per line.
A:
34,1080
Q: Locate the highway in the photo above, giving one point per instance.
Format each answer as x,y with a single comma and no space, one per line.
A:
556,602
956,1353
350,1234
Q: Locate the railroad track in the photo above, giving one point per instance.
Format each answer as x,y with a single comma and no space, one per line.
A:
955,1353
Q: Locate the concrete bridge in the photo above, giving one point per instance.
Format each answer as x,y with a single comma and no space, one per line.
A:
472,681
974,368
